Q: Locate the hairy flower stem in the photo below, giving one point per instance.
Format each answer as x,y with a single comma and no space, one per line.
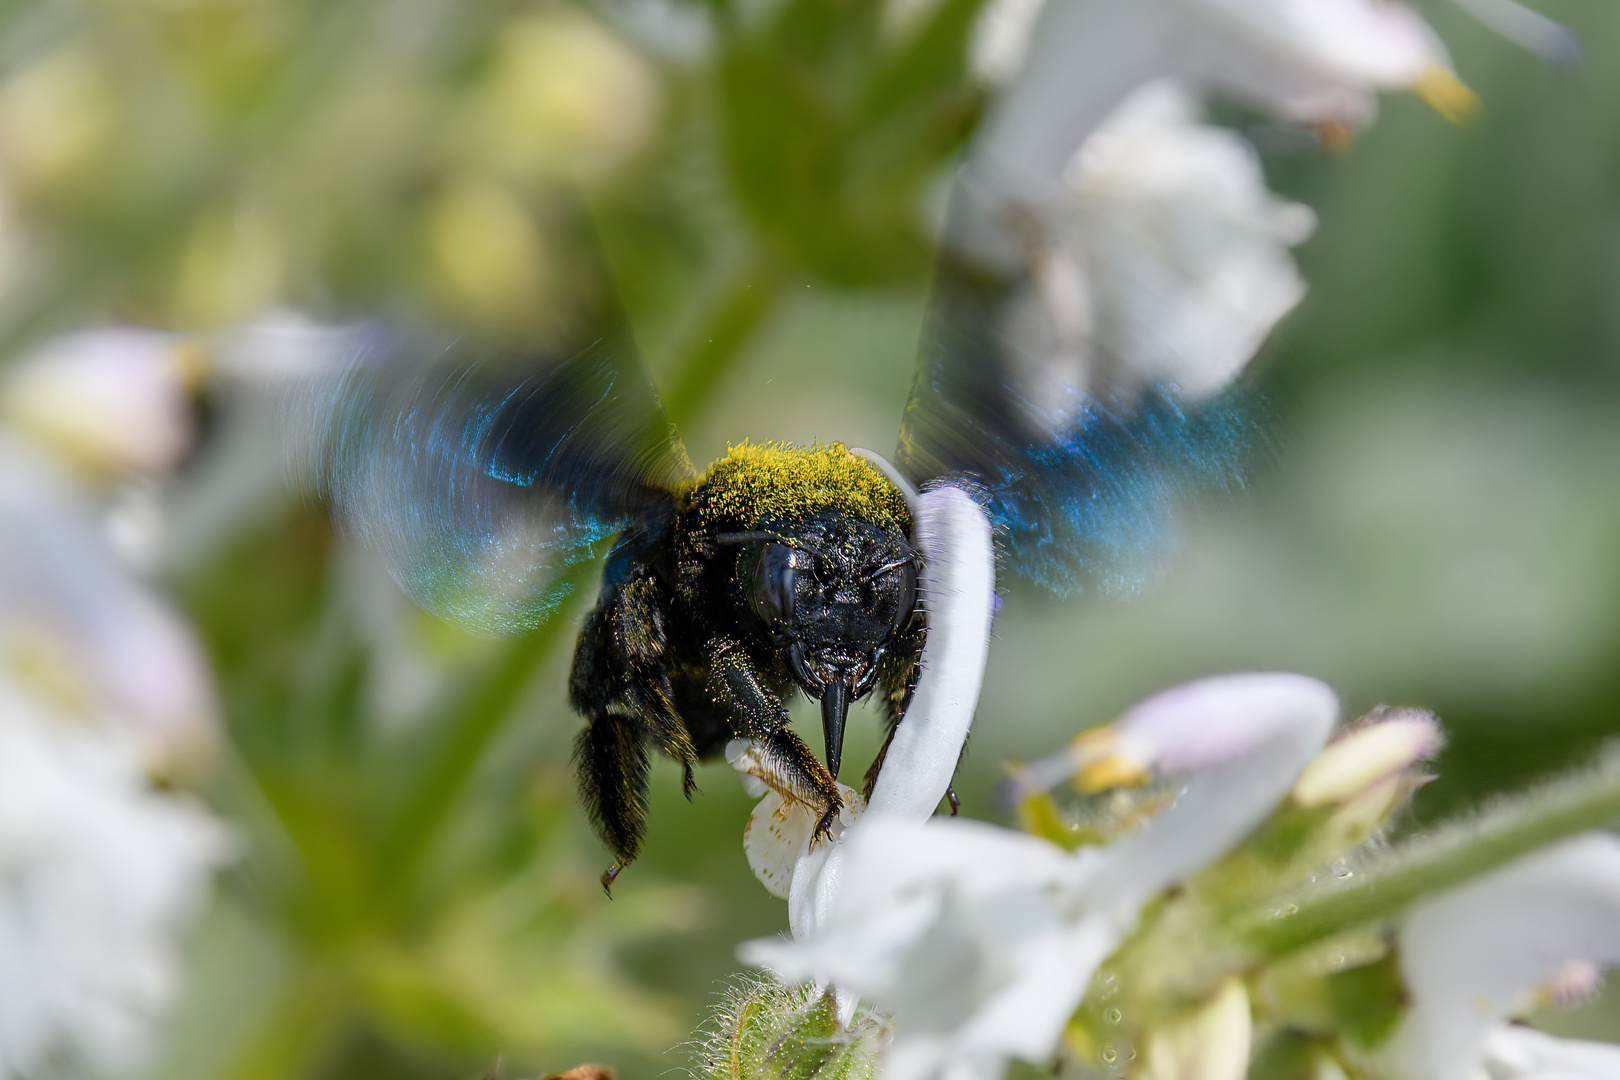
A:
1440,859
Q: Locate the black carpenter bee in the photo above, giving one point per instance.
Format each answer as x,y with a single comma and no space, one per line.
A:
780,569
484,472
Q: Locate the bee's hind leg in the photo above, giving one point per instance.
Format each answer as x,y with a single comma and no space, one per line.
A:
760,716
611,758
641,642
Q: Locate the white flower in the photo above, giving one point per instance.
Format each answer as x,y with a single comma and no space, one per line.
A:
111,401
82,633
1470,956
980,941
1070,62
1148,246
1162,258
98,876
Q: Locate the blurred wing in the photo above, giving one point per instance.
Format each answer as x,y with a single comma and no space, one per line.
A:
1079,467
481,475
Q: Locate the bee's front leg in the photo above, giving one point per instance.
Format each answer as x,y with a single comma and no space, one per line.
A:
759,715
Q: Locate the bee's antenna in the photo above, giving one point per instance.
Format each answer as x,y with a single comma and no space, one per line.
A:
907,490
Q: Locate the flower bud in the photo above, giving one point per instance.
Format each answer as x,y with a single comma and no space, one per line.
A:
1211,1043
764,1030
112,402
54,116
1364,755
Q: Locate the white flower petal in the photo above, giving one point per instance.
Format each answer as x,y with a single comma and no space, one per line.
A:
778,832
961,930
1209,723
1530,29
1001,38
958,590
1185,249
1470,954
85,631
99,875
1359,43
1512,1052
1239,741
1311,59
980,941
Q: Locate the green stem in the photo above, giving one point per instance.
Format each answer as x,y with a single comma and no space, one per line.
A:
299,1031
1446,857
469,724
717,344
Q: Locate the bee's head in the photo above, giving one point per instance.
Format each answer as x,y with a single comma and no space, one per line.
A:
831,591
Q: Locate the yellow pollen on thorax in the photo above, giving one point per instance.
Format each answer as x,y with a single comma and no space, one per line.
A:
756,481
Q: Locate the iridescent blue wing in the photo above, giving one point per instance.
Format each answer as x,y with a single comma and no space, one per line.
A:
481,473
1080,469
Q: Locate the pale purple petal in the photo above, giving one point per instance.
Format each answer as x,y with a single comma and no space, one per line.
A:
1239,741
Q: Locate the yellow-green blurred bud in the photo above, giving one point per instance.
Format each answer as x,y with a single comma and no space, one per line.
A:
230,271
54,115
490,254
566,96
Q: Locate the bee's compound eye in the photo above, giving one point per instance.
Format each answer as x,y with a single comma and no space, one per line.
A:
771,592
905,575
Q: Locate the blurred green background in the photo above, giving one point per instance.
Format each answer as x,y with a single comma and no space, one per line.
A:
1436,520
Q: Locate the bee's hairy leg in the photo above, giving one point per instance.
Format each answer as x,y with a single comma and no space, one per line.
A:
759,715
950,797
620,684
638,634
611,758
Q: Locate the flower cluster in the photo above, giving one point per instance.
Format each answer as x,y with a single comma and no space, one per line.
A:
102,691
1197,891
1164,910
